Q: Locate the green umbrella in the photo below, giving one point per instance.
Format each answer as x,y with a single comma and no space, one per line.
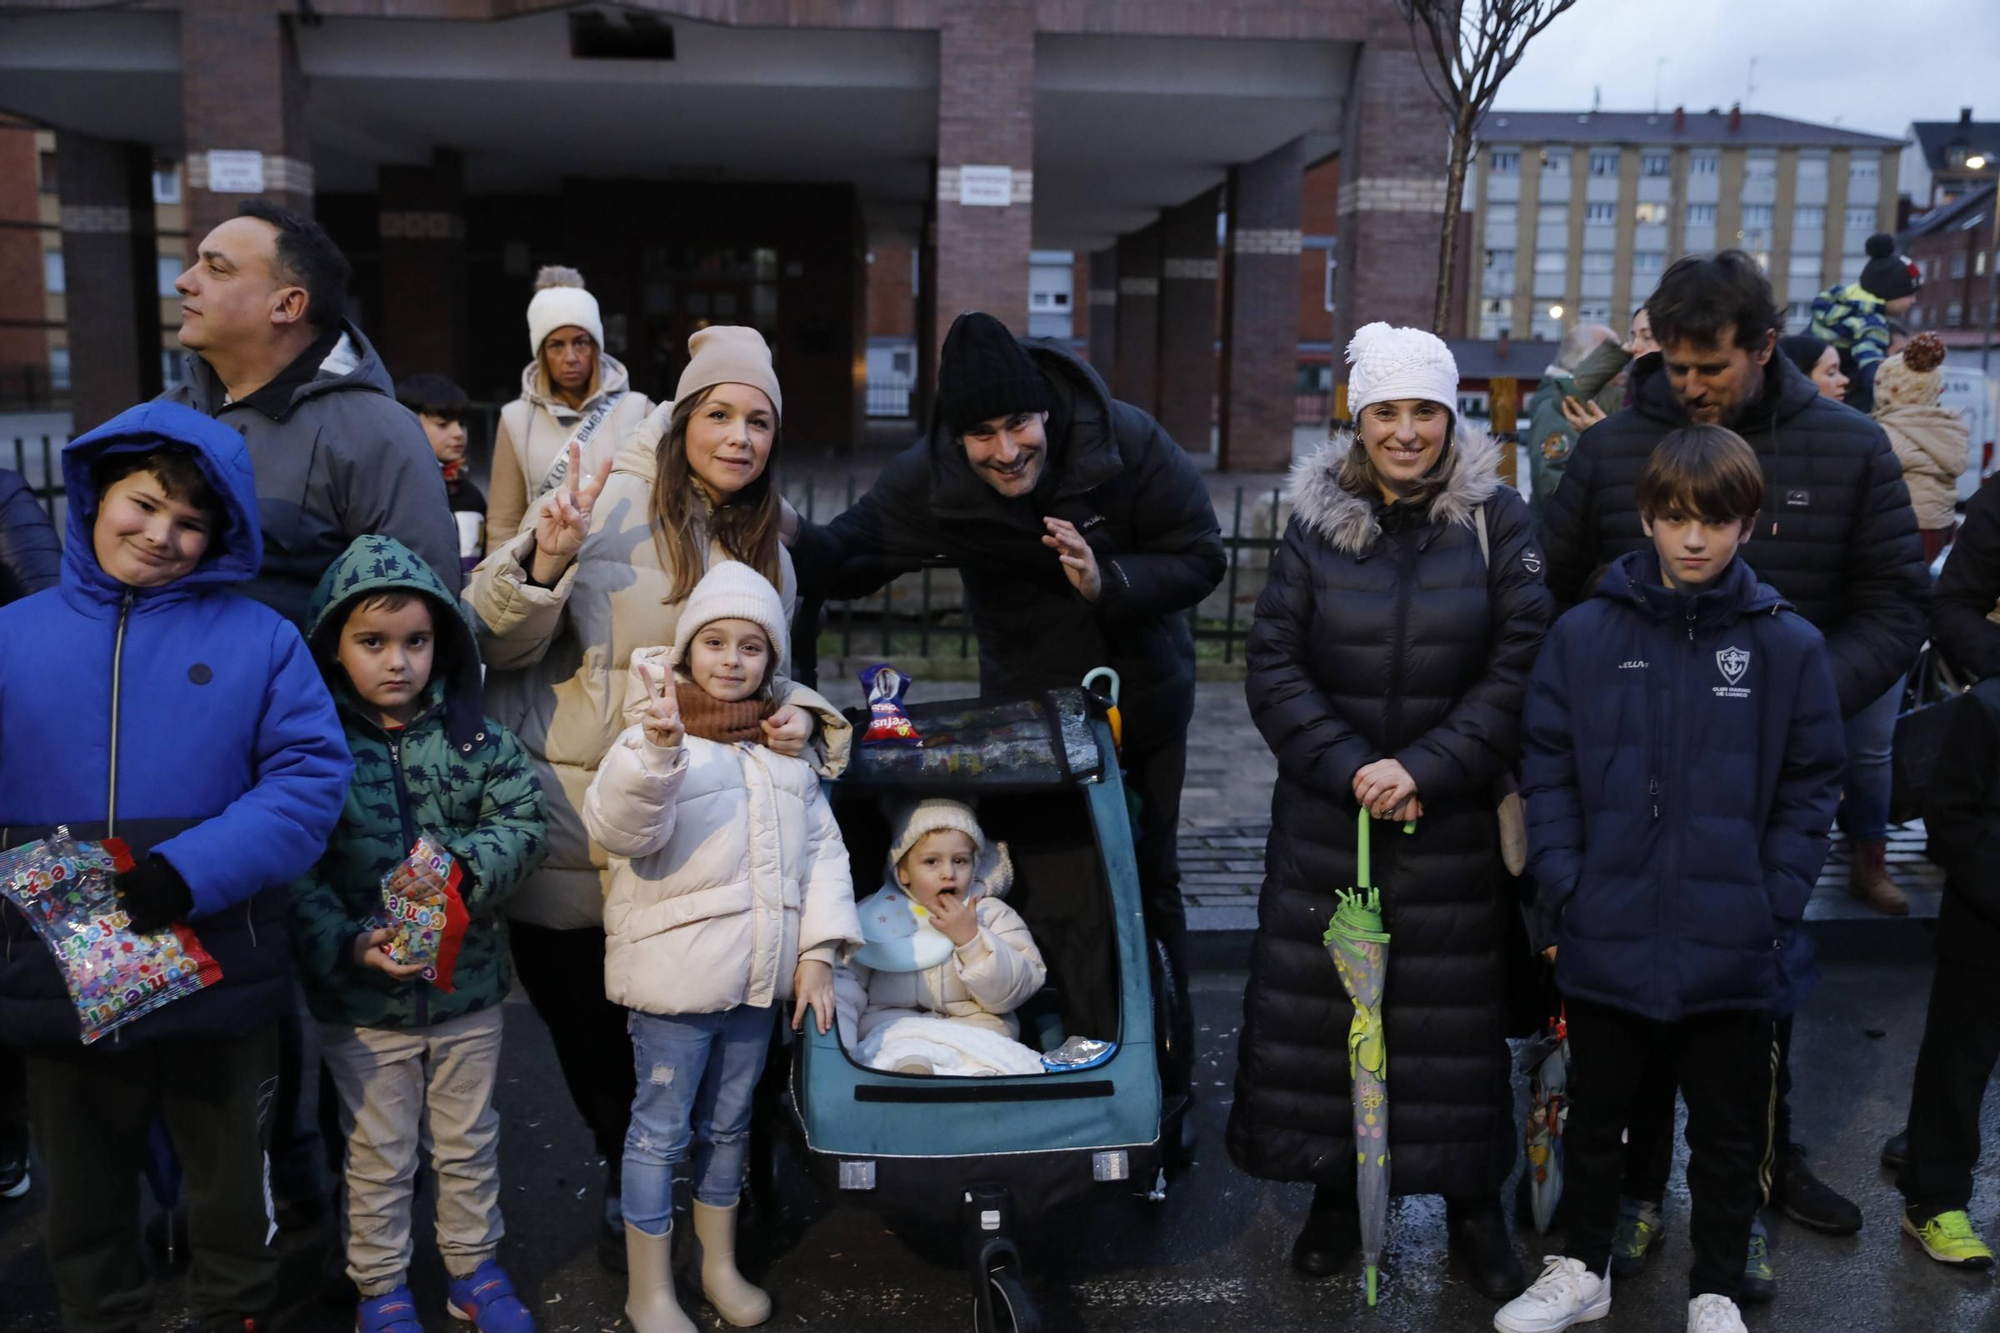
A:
1360,949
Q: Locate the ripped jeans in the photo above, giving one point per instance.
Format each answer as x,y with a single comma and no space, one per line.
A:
696,1075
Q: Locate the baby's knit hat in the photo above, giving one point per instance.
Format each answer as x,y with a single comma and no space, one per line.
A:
1913,377
730,354
1386,364
561,302
731,590
1888,274
992,868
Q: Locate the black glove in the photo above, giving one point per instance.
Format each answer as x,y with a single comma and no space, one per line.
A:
153,895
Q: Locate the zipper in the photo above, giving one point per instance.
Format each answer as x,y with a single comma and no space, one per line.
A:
1406,569
1670,861
117,683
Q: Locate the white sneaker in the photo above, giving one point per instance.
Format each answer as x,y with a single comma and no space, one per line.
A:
1710,1313
1566,1293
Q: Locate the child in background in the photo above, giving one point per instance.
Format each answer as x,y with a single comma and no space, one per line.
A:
415,1062
1858,319
442,406
939,942
730,894
143,699
1683,762
1931,441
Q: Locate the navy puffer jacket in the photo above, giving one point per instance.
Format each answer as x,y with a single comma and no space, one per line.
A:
1683,763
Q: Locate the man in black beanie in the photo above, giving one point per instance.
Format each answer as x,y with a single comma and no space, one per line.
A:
1857,319
1083,534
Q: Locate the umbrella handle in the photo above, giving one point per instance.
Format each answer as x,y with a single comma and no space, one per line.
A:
1361,880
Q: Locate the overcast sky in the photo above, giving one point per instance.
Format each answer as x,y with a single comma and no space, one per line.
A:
1861,64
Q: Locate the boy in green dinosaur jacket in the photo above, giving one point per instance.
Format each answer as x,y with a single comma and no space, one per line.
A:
410,1050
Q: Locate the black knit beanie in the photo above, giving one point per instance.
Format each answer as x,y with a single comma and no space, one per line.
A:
984,374
1888,274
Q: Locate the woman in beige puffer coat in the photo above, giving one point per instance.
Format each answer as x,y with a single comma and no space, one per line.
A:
1931,441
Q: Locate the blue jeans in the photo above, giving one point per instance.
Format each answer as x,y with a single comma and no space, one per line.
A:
1865,811
696,1075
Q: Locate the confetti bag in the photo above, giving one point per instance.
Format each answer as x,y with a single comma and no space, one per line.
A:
429,923
114,974
888,724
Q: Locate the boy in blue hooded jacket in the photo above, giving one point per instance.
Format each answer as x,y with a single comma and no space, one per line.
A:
1683,761
142,698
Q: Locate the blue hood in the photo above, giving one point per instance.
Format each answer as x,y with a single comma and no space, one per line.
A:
234,553
1634,579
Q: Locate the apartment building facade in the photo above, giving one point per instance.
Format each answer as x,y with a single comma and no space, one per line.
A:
1576,214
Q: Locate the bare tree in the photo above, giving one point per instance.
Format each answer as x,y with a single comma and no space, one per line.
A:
1473,46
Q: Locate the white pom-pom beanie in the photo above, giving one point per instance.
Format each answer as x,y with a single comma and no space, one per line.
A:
561,302
1387,363
732,590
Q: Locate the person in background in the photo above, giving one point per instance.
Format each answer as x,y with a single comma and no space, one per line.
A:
571,392
441,405
1819,362
1856,318
1931,441
1551,435
1608,365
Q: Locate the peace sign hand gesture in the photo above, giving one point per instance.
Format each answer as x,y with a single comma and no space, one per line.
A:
662,718
563,523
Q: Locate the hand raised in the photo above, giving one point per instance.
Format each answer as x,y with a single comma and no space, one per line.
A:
564,521
956,918
662,719
1079,562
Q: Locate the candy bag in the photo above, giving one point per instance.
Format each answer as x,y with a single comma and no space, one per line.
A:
114,974
888,724
429,923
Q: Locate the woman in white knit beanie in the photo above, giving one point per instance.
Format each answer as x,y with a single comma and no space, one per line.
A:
1387,666
570,390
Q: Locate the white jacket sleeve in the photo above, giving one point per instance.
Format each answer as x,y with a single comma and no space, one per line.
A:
516,620
629,807
1000,965
827,918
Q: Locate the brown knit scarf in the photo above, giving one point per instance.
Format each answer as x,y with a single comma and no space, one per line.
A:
710,718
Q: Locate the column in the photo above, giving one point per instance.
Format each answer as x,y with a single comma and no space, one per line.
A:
985,170
1103,300
1187,321
1394,154
1260,318
421,220
241,93
928,331
1136,375
111,276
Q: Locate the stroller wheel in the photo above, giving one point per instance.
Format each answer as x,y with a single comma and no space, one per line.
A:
1008,1307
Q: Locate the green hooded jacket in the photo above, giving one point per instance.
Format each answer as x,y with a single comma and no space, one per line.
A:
452,774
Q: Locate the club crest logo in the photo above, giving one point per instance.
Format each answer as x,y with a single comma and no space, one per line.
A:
1732,662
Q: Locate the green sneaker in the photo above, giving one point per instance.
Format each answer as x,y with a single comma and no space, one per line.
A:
1760,1280
1639,1225
1950,1239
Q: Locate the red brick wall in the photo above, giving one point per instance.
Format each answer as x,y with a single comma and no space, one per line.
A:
23,344
892,311
242,90
1261,299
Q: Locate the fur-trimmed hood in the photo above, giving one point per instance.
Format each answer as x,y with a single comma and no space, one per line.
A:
1352,523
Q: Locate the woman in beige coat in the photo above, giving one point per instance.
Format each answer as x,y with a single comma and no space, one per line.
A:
1931,441
600,573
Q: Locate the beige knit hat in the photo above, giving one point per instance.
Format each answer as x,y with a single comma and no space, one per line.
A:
1913,377
561,302
732,590
992,868
730,354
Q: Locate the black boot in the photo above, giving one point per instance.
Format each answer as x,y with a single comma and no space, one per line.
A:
1808,1200
1896,1151
1331,1237
1477,1230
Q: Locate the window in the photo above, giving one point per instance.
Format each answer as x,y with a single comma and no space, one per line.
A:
1650,214
166,183
53,278
1649,261
1593,312
1604,162
1805,266
46,172
901,362
1555,161
1863,171
168,270
1500,259
1954,315
1812,168
59,367
1656,164
1501,215
173,369
1860,225
1808,216
1954,156
1701,215
1552,215
1760,167
1597,261
1600,214
1756,217
1957,267
1551,261
1505,162
1704,164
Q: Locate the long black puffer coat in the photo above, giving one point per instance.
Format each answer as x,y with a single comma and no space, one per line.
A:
1837,537
1382,633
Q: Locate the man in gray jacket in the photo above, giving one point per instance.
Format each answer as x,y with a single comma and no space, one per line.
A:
336,455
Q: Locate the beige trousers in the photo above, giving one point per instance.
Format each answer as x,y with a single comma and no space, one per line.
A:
405,1091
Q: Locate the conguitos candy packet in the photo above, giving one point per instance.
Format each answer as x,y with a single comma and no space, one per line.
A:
888,724
425,911
114,974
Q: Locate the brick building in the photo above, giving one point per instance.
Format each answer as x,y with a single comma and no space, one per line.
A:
1954,246
711,160
1940,165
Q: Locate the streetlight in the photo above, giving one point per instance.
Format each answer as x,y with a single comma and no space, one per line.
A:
1977,162
1555,312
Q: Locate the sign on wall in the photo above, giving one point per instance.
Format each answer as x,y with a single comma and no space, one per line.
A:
985,187
231,171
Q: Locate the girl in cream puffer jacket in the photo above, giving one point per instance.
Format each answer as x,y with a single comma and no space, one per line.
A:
1931,441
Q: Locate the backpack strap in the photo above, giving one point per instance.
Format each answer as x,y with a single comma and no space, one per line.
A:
1479,526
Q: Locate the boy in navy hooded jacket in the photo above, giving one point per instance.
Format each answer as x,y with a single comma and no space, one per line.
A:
142,698
1683,761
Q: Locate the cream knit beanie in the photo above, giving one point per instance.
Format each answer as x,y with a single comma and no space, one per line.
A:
730,354
732,590
1914,377
1386,364
560,302
992,868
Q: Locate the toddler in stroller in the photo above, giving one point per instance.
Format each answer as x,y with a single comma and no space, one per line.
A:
945,962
